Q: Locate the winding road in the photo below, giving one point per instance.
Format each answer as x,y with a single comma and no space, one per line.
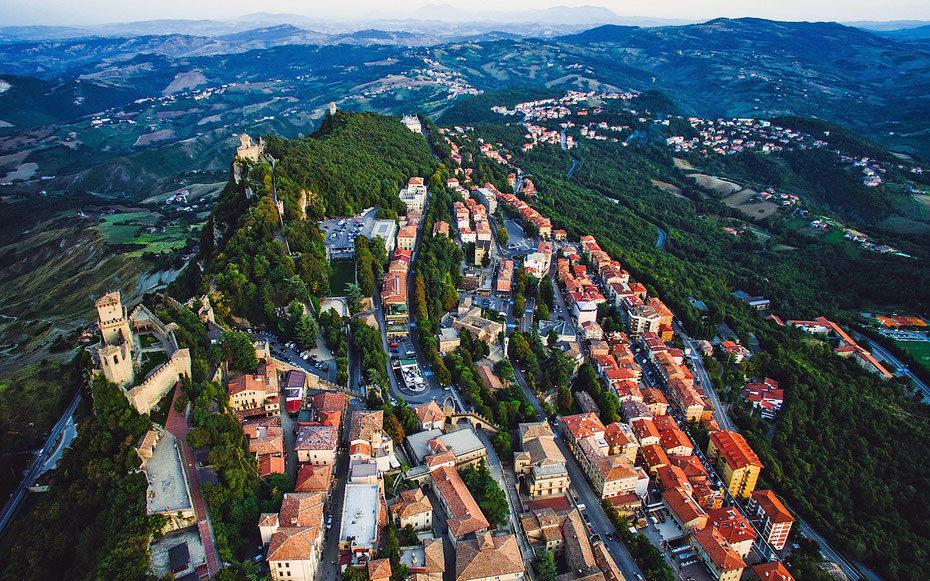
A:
662,238
38,465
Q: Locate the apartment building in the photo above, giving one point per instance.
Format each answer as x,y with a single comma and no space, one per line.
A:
741,466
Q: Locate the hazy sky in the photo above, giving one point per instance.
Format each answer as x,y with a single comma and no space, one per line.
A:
19,12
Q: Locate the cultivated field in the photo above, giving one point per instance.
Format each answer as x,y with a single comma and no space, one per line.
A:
740,201
670,188
722,187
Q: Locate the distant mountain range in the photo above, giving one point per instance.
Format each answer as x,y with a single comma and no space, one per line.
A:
279,77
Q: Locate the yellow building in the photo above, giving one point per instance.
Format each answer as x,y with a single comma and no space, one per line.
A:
740,464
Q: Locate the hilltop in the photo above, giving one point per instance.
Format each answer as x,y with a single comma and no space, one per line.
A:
354,161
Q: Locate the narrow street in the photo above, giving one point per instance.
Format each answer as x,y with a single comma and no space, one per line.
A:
497,472
582,491
177,425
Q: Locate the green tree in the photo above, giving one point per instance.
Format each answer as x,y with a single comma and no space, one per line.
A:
504,370
502,236
238,350
546,292
306,330
354,298
544,565
199,437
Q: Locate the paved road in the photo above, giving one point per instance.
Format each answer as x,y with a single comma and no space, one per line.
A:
700,373
886,355
662,238
497,472
724,421
38,465
329,570
583,492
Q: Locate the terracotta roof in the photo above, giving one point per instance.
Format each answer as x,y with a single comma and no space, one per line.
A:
312,478
316,438
365,424
619,435
672,439
578,554
531,430
433,556
429,412
774,509
465,514
691,466
271,442
329,401
774,571
379,569
645,428
720,552
293,544
673,477
247,382
730,524
583,425
734,449
270,464
654,456
684,507
301,521
487,556
615,468
360,448
410,503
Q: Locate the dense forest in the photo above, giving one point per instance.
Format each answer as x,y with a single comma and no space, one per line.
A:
352,162
848,453
92,523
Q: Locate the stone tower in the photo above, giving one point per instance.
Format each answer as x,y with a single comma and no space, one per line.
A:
116,362
113,320
332,107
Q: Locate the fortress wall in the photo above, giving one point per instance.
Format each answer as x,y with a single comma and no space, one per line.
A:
148,393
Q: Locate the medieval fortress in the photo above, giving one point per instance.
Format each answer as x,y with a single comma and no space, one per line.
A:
121,351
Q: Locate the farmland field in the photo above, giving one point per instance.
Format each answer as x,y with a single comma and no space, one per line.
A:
722,187
740,201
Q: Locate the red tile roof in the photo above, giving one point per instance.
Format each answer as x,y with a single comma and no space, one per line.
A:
720,552
774,571
774,509
734,449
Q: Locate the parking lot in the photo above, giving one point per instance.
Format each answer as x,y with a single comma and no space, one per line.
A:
401,348
517,240
318,361
341,233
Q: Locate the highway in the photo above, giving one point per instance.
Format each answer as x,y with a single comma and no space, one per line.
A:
886,355
38,465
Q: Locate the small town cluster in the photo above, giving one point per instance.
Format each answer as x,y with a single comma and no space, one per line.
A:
464,511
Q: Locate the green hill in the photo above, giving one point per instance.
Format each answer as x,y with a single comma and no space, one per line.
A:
354,161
